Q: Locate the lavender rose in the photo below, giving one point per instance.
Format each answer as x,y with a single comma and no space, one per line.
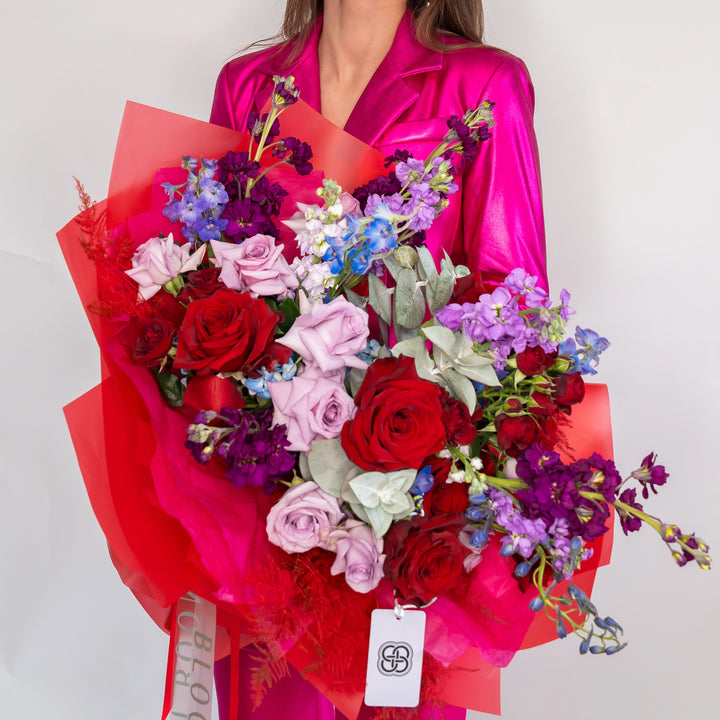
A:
160,260
311,407
330,335
256,266
302,518
359,555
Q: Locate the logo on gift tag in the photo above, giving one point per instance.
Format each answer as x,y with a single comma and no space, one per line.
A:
395,658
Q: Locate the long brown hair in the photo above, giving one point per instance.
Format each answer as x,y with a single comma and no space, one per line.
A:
435,21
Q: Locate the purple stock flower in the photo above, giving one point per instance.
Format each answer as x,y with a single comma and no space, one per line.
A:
650,475
629,523
269,196
256,124
382,186
296,154
255,452
245,219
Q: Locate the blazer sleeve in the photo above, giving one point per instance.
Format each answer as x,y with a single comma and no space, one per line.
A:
223,112
503,225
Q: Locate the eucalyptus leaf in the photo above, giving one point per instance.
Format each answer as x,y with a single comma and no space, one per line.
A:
427,268
441,337
171,387
461,388
393,266
380,298
330,467
416,348
355,299
409,300
403,333
440,291
304,467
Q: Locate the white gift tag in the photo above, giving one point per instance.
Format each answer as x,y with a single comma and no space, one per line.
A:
395,658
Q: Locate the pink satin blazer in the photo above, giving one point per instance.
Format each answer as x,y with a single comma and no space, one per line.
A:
495,222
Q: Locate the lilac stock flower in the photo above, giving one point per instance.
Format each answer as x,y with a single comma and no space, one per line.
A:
524,534
451,316
410,170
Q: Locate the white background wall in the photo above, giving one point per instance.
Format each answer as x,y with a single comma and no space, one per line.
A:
626,115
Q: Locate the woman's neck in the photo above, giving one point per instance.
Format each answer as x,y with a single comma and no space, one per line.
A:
356,36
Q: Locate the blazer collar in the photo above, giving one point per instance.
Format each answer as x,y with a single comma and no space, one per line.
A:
387,95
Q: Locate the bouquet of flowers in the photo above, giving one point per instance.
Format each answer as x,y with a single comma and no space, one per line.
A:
338,421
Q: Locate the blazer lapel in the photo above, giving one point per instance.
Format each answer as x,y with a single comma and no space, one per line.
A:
305,69
388,94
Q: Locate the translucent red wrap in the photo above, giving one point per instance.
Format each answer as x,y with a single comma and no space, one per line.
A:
174,526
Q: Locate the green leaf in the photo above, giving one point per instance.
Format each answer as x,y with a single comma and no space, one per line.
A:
171,388
290,311
380,298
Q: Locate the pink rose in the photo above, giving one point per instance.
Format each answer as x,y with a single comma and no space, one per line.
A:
349,204
256,266
311,407
359,555
158,261
302,518
329,335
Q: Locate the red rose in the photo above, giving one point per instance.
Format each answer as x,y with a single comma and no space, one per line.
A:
201,284
516,432
545,405
534,360
227,332
424,558
150,339
569,390
457,421
446,499
398,422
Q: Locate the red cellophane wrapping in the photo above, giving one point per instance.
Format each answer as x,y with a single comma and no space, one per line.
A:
174,526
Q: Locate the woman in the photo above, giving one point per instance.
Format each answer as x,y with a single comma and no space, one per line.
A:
390,72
